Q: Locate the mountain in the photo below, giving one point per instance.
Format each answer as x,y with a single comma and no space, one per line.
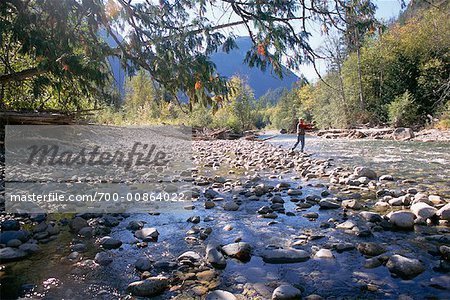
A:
232,63
228,64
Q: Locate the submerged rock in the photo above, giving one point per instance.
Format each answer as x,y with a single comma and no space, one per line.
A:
151,286
284,256
405,268
286,292
220,295
371,249
215,258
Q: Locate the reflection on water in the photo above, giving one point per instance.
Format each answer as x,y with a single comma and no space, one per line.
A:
425,162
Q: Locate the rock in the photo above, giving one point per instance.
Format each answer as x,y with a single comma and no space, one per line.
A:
311,215
423,210
402,219
402,134
444,212
30,248
77,223
135,225
441,282
386,178
283,131
231,206
328,203
352,204
147,234
371,216
405,268
276,199
20,235
286,292
294,192
9,254
53,229
373,262
314,297
220,295
149,287
346,225
189,255
103,258
209,204
110,243
10,225
211,194
86,232
264,210
215,258
14,243
324,253
365,172
371,249
194,219
241,251
284,256
143,264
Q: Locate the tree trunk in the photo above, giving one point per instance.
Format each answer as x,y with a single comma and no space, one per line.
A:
361,96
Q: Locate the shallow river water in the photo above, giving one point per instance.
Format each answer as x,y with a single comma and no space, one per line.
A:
341,278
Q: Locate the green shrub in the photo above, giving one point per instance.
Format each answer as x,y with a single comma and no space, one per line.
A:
403,111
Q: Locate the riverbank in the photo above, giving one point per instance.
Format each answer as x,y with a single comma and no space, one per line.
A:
263,220
399,134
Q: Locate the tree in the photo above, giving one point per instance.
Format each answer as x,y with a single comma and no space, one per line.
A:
171,40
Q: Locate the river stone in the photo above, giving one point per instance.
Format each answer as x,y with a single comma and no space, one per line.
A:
77,223
286,292
241,250
10,225
21,235
346,225
147,234
352,204
441,282
294,192
276,199
231,206
143,264
9,254
30,248
405,268
423,210
215,258
209,204
386,178
189,255
311,215
371,249
402,134
14,243
402,219
328,203
220,295
444,212
149,287
365,172
135,225
324,253
211,194
107,242
284,256
371,216
103,258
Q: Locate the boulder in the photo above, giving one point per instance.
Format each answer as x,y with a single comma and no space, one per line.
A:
103,258
241,251
220,295
371,249
10,254
215,258
402,219
110,243
365,172
444,212
286,292
149,287
423,210
405,268
402,134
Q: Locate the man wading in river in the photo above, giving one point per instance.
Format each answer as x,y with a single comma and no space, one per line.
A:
301,129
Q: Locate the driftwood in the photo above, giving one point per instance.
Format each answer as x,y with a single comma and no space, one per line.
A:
49,117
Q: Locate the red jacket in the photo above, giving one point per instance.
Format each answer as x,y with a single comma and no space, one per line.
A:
302,127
